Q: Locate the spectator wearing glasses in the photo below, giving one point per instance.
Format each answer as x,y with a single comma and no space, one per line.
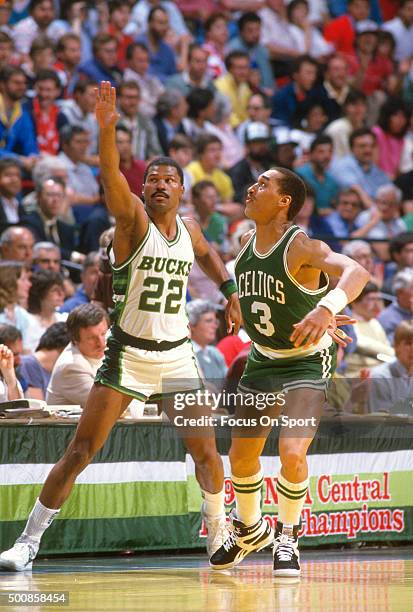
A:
344,221
402,308
46,256
103,65
372,347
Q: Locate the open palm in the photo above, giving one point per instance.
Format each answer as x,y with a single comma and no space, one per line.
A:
106,113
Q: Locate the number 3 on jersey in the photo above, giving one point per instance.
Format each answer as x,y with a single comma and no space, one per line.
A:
264,312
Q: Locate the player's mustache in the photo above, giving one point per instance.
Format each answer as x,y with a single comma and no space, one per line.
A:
161,193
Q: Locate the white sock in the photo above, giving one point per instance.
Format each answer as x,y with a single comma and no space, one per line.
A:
39,520
248,497
214,506
291,498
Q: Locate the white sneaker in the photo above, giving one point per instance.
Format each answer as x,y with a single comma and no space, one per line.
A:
20,557
217,531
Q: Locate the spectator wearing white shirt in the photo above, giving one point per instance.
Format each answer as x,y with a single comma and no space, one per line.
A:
276,36
74,371
41,21
75,142
137,66
401,28
81,111
308,39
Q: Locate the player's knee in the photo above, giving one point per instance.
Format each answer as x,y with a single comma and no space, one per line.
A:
292,459
204,455
241,463
79,455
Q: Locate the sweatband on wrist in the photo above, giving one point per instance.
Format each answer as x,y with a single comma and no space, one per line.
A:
334,301
228,287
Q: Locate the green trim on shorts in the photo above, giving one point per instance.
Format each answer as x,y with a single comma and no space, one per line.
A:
159,396
121,389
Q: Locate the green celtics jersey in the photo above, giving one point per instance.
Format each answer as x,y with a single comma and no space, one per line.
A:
271,299
150,286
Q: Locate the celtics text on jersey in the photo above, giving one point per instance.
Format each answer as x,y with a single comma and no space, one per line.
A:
271,299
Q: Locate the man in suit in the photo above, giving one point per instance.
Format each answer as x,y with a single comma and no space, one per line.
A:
172,108
74,371
256,161
145,143
45,224
10,187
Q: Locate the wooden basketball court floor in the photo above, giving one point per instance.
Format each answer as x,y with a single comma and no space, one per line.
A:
355,581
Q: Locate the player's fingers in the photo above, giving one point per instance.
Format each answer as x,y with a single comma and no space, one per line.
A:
345,321
336,339
300,334
314,336
113,96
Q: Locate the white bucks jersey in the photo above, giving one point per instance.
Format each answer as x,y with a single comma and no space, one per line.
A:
150,287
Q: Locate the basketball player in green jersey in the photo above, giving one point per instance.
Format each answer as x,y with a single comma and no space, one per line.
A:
282,278
153,252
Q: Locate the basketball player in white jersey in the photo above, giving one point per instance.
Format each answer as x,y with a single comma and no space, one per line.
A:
153,251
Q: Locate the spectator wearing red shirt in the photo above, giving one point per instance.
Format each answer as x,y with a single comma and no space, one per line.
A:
341,31
132,169
231,346
369,70
69,54
119,17
47,117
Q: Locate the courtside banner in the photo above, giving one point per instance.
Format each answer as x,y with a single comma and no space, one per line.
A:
140,492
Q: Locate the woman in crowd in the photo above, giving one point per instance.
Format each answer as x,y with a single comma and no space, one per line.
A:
373,346
308,39
14,292
390,131
216,37
45,297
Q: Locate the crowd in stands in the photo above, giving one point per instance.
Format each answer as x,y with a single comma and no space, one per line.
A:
228,89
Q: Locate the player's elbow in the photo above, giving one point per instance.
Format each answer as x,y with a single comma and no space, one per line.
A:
359,273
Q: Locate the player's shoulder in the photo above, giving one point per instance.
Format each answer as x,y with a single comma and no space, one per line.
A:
245,237
304,243
191,225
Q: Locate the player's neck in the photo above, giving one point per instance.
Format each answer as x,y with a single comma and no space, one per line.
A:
270,233
165,222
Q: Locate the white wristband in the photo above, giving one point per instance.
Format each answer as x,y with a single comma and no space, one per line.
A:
334,301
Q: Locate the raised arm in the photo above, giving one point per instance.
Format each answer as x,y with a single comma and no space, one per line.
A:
352,279
127,208
210,262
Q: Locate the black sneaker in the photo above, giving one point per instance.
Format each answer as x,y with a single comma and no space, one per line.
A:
286,553
242,541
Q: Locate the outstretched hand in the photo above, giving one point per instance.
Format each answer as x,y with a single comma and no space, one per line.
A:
106,113
338,335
